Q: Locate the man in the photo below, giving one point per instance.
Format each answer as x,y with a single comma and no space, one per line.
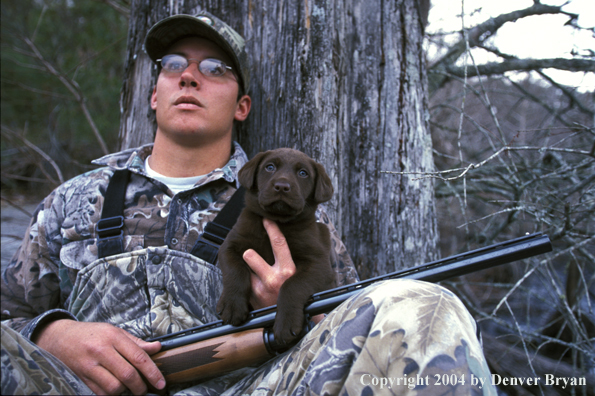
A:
90,301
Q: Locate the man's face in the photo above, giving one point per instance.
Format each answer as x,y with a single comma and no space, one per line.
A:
192,108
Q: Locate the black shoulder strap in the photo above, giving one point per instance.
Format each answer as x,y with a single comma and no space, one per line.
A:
110,239
207,245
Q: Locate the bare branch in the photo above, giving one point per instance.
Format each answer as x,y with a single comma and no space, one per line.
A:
27,65
118,6
38,151
73,87
16,206
478,35
498,68
569,94
564,89
466,169
540,102
43,10
38,91
481,32
25,178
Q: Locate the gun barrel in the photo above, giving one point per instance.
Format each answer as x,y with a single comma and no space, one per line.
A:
323,302
450,267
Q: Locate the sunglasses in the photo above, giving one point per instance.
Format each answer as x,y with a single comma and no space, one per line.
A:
208,67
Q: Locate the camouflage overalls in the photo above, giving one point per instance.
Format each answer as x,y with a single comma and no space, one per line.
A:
391,333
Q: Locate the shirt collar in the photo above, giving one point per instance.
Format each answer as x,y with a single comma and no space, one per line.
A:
134,160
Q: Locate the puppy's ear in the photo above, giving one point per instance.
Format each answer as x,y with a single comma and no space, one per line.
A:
323,189
247,175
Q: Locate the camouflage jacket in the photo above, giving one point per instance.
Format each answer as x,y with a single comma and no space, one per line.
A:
60,243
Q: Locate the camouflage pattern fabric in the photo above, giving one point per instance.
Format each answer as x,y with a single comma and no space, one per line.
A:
29,370
399,337
149,292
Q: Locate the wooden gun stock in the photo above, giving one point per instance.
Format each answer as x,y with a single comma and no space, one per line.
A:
215,348
213,357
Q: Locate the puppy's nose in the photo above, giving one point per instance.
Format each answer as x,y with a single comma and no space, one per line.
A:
282,186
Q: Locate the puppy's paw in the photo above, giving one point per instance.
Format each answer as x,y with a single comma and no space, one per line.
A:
287,328
233,310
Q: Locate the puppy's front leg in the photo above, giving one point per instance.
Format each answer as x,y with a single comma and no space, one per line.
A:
293,296
233,306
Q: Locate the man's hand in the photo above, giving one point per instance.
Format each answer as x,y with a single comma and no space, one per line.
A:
267,280
108,359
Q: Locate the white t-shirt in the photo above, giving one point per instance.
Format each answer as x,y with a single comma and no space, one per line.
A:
176,184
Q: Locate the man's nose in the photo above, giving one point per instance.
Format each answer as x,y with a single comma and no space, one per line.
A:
189,76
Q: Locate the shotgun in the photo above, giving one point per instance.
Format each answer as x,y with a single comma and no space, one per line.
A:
213,349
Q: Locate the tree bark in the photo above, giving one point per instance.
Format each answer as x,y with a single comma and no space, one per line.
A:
345,82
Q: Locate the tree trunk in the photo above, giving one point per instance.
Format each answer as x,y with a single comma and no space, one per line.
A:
342,81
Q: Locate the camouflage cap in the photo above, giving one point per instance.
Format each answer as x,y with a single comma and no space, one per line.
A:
169,30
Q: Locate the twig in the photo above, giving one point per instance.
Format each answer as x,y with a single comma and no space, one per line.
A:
529,360
116,6
39,91
542,262
517,208
11,236
498,68
18,207
25,178
38,151
43,10
461,117
482,32
73,87
466,169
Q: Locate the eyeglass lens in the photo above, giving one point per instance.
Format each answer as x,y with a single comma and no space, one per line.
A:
208,67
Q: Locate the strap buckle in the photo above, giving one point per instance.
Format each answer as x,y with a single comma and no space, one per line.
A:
110,227
208,244
215,233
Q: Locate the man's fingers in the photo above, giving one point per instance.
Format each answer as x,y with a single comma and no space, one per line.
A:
256,263
116,373
136,360
102,382
108,359
267,280
150,347
98,390
278,243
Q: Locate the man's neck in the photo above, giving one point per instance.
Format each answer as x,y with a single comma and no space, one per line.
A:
177,160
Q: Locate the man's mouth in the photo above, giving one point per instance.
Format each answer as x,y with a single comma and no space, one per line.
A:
187,102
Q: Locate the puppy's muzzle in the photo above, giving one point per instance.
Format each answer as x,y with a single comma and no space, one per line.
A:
281,199
282,187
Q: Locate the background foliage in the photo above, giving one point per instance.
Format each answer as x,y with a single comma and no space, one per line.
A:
515,153
83,42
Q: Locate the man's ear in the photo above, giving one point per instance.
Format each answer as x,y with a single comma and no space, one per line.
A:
243,108
154,98
247,175
323,189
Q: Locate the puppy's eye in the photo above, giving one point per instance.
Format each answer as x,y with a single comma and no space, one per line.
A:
269,168
302,173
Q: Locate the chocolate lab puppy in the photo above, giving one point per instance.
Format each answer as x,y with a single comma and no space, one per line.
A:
285,186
